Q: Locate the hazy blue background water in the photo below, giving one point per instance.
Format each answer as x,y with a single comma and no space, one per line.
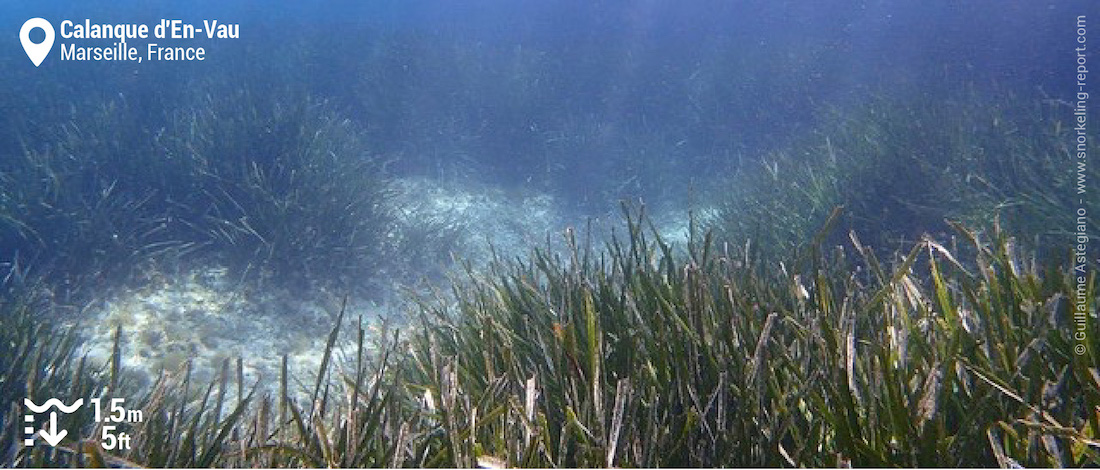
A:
524,89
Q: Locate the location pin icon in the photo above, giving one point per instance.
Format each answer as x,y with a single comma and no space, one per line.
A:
37,52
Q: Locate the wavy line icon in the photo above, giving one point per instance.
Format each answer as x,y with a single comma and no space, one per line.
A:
53,402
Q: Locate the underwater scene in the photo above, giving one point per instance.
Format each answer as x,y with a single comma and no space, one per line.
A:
494,234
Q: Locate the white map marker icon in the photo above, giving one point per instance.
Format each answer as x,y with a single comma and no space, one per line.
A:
37,52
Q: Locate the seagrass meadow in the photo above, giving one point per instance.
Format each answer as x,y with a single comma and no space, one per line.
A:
795,322
441,234
635,353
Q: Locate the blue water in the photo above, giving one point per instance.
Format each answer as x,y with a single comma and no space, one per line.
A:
730,76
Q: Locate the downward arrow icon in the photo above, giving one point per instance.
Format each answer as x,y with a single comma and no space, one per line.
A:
53,437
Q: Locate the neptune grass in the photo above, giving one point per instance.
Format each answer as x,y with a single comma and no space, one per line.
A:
273,187
915,162
636,354
638,358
